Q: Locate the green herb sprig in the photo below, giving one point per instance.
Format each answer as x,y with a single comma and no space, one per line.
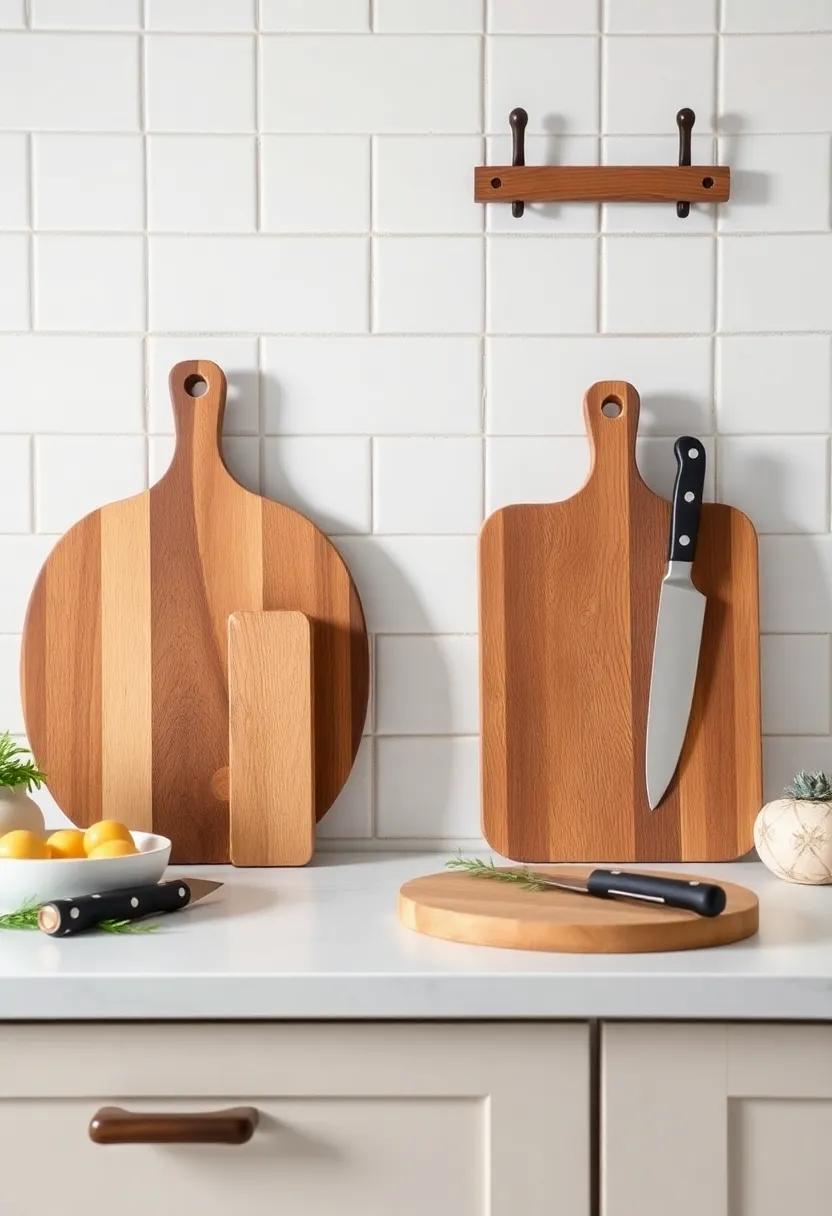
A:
14,770
26,917
486,869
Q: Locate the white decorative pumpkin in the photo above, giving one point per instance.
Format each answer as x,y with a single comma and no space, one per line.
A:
793,834
18,810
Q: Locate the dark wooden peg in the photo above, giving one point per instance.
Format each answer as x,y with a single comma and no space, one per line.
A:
517,120
684,121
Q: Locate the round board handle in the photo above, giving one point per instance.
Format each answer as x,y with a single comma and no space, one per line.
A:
197,393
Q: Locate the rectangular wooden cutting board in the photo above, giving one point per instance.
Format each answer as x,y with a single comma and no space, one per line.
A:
568,600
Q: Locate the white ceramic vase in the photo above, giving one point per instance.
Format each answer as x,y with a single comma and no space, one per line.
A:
18,810
794,839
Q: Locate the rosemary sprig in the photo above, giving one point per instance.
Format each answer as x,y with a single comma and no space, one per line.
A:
486,869
26,917
14,769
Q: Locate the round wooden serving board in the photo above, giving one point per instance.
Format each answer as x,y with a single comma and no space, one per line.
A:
483,912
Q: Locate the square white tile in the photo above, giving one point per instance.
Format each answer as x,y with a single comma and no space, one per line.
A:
800,66
423,183
206,15
88,182
325,478
11,710
554,79
780,481
16,483
378,384
427,685
427,486
229,284
14,182
796,684
56,82
428,284
795,584
648,80
779,183
672,375
291,16
86,14
14,281
21,557
543,17
351,815
378,83
428,16
774,385
50,385
178,167
539,286
534,469
415,584
657,284
776,283
315,183
647,17
89,283
427,788
76,474
543,218
656,217
12,14
199,82
757,16
238,359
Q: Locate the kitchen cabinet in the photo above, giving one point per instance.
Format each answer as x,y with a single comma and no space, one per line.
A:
729,1119
456,1119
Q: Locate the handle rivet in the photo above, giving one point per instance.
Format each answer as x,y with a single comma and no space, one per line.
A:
684,540
689,496
74,913
693,453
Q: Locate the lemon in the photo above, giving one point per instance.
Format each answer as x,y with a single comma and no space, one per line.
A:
22,844
68,842
112,848
103,832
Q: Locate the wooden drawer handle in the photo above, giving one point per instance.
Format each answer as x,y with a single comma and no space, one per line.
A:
113,1125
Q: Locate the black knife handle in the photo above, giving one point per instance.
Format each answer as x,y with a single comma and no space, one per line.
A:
704,898
687,499
63,917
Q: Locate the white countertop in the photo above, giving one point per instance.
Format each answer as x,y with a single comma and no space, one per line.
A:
324,942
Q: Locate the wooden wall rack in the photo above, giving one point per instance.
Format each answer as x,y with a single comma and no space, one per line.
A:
519,183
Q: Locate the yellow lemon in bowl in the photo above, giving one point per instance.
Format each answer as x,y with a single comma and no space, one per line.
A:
105,831
66,843
112,848
23,845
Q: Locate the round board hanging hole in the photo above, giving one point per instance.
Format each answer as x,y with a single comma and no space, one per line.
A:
707,182
196,386
611,407
496,182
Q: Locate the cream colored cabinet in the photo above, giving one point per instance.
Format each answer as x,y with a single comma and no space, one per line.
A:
485,1119
722,1120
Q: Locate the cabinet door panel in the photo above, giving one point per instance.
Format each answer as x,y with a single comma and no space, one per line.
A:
732,1120
364,1120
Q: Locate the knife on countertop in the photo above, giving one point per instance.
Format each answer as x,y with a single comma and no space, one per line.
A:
678,627
704,898
63,917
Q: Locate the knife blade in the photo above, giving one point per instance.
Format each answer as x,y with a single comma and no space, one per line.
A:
65,917
678,627
693,895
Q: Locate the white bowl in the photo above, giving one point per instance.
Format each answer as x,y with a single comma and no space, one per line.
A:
23,881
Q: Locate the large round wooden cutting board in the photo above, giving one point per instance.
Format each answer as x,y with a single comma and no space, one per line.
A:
124,673
482,912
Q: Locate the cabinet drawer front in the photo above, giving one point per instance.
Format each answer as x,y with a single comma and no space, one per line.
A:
365,1120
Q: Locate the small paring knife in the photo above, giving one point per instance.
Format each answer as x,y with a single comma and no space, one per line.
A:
678,627
703,898
65,917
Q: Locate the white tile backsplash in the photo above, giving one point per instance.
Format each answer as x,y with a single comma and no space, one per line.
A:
287,187
88,183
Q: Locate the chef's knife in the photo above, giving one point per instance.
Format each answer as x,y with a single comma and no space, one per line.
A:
704,898
62,917
678,627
